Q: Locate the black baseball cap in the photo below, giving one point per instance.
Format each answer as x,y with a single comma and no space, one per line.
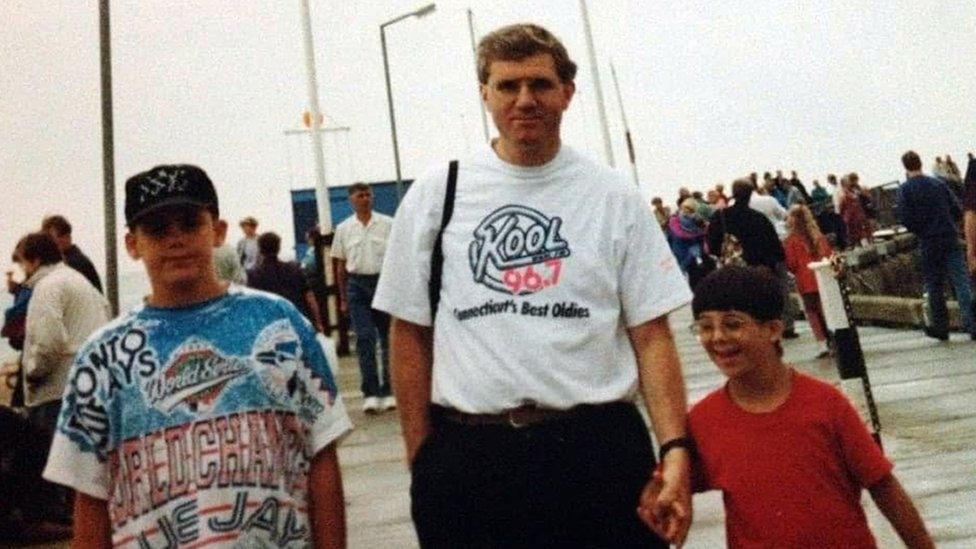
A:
168,185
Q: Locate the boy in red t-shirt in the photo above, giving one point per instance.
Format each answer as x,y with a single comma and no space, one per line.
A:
788,451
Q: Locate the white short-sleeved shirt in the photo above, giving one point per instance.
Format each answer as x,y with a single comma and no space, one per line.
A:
198,424
362,246
771,208
544,269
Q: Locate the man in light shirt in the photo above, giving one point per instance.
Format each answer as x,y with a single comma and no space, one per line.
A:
247,246
516,377
771,208
358,248
65,308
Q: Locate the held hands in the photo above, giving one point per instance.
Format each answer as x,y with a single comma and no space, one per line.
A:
665,502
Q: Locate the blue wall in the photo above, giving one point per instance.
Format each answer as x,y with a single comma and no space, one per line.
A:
305,215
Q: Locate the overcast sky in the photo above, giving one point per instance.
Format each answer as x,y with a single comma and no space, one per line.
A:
712,90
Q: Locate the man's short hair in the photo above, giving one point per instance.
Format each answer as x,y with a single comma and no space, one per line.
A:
359,186
38,246
58,223
742,189
911,161
519,41
269,244
750,290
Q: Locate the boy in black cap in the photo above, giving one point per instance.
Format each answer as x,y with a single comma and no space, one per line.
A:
789,452
208,415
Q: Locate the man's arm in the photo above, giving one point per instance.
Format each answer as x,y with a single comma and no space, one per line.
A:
313,310
411,359
341,281
898,508
327,512
662,387
48,337
969,223
93,529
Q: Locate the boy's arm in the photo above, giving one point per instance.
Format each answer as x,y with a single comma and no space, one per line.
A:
327,511
898,508
93,529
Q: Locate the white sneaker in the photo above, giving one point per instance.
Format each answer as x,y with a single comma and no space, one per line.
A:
371,405
389,403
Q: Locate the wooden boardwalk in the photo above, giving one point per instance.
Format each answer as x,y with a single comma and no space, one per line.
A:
926,395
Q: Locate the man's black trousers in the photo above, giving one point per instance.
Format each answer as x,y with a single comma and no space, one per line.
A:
572,482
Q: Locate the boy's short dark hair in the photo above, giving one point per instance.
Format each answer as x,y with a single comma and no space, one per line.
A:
269,244
38,246
58,223
751,290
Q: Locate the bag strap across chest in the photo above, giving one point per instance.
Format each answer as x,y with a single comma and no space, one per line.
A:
437,254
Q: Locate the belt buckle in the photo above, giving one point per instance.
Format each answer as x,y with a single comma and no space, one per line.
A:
513,422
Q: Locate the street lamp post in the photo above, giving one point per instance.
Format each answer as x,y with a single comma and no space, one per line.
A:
426,10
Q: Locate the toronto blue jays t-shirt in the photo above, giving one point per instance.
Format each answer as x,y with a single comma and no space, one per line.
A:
198,424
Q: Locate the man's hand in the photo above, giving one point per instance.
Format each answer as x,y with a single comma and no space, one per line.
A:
665,504
12,284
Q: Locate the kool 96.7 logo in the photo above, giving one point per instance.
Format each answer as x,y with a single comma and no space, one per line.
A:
517,250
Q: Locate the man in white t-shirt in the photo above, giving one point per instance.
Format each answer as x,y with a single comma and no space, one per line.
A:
247,246
358,248
516,393
771,208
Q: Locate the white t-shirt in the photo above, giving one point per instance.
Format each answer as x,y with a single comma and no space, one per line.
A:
544,268
247,251
362,246
198,424
771,208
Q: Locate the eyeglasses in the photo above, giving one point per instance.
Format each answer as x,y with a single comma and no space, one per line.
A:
185,220
730,325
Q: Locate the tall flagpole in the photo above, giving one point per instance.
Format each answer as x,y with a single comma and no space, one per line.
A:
321,189
623,116
607,149
108,156
474,52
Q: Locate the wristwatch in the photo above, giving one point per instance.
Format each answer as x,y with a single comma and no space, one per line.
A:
681,442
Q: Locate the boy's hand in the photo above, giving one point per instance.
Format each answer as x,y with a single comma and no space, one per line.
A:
648,501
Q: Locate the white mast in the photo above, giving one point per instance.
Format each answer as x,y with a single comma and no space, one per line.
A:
607,148
321,189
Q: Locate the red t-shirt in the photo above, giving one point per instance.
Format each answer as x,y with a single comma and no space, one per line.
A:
791,477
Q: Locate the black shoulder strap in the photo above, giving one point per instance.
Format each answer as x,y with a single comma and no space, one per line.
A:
437,255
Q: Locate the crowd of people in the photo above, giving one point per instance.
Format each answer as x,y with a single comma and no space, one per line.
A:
523,323
811,226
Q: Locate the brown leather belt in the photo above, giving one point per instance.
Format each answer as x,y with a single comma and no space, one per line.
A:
517,418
